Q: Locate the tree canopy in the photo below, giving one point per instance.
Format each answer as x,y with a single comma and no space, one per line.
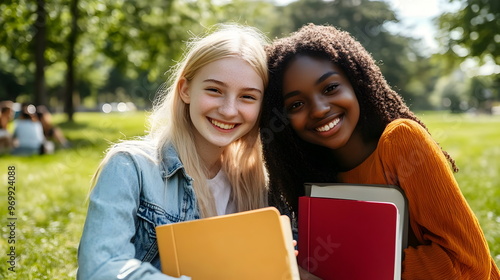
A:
124,49
472,31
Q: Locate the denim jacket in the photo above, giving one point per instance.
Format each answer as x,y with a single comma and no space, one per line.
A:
132,196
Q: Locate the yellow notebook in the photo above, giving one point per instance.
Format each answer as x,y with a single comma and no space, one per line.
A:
248,245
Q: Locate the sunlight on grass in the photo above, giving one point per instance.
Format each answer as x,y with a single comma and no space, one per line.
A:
51,195
52,190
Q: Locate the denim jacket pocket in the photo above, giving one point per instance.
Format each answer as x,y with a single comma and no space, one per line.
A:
149,216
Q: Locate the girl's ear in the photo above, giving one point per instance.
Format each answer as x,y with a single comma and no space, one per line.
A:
183,88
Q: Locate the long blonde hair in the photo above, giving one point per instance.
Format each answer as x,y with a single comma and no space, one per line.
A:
170,123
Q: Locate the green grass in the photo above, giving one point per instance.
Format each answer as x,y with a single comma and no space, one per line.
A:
51,190
51,194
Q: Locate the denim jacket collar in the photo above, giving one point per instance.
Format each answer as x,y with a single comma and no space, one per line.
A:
171,163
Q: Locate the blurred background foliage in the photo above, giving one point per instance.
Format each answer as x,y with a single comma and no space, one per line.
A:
75,55
78,54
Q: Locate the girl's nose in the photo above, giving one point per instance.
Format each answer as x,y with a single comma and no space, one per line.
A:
228,108
319,106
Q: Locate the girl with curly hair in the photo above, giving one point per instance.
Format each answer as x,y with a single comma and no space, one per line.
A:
330,116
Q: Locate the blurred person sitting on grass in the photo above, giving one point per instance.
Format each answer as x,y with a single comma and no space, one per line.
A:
28,135
50,131
6,116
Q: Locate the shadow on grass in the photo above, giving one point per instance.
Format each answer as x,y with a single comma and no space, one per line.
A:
67,125
88,134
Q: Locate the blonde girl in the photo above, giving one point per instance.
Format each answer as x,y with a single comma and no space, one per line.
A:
201,158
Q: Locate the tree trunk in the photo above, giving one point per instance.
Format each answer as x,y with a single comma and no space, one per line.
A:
69,107
40,45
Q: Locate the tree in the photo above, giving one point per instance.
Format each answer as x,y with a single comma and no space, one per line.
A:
472,31
70,71
482,93
139,41
129,46
39,46
134,37
260,14
34,37
472,34
16,48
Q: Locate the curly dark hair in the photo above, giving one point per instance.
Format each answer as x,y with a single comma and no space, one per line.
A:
291,161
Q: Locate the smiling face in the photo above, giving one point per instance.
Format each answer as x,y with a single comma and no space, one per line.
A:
320,102
224,98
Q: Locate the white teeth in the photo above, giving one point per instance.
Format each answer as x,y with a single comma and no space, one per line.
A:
328,126
223,125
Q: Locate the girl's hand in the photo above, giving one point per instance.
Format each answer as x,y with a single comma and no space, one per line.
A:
295,244
306,275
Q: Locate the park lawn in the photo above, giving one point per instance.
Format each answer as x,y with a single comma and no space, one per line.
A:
52,190
51,195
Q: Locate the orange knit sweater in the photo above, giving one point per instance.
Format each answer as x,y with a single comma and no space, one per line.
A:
446,241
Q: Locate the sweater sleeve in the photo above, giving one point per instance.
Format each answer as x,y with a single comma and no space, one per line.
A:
451,242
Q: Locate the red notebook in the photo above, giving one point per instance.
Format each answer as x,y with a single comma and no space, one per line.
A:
348,239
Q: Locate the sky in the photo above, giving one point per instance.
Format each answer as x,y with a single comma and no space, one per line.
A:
416,18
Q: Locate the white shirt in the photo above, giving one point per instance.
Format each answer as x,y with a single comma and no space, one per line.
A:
220,188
